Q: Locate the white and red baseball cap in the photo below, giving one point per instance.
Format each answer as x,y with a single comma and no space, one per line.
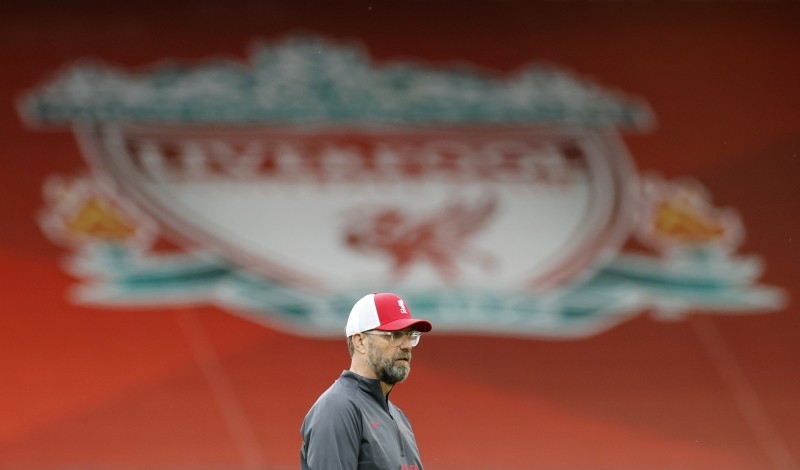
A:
382,311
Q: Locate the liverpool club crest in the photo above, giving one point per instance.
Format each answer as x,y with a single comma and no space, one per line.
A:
309,175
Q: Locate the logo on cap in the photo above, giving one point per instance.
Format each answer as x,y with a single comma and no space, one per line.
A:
402,306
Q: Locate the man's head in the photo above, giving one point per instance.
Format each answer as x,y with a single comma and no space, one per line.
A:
380,335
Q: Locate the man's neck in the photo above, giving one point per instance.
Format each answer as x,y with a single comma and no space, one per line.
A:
367,373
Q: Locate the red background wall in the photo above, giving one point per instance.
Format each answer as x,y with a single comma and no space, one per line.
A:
200,388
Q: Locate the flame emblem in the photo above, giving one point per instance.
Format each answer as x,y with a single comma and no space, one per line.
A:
679,214
82,211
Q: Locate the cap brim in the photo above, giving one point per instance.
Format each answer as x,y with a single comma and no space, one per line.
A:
419,325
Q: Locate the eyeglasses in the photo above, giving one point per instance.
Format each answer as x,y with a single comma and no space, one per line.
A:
396,338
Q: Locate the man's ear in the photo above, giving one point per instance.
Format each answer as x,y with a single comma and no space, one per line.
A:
359,342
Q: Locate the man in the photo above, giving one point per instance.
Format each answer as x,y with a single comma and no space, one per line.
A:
353,425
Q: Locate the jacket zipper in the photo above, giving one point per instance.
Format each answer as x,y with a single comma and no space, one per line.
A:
399,437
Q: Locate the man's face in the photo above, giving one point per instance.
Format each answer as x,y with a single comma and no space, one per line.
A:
391,364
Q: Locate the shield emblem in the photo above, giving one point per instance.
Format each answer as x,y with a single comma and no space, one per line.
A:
312,175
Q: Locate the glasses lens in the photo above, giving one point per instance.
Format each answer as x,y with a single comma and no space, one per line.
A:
398,337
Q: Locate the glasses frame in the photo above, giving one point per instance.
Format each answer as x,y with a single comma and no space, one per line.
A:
396,338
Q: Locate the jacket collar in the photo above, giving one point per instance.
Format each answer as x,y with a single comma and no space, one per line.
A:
371,387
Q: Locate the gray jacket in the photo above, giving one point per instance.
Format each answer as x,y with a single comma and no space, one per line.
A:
352,426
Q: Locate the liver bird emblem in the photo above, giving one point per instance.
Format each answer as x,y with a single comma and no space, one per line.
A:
440,237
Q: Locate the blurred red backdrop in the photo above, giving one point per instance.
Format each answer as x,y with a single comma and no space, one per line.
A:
200,388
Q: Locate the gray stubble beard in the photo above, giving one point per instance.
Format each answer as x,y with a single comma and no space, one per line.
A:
387,369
